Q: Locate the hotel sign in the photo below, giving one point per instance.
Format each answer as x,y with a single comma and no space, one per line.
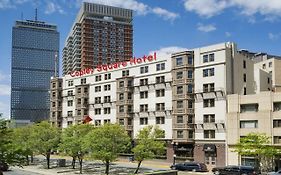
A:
107,67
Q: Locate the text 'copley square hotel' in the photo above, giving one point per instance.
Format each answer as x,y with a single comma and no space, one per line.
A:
184,93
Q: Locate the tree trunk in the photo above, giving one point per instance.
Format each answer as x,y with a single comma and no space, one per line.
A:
48,159
107,167
27,160
80,164
73,162
137,170
31,158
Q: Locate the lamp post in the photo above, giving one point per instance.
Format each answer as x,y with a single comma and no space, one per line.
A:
174,162
175,144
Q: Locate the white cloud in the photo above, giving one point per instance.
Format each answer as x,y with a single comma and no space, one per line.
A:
165,13
206,28
274,36
138,7
167,51
5,4
52,8
5,108
5,89
209,8
227,34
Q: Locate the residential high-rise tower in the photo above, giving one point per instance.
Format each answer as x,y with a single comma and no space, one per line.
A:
35,47
100,35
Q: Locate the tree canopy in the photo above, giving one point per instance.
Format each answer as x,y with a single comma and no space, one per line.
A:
105,142
148,144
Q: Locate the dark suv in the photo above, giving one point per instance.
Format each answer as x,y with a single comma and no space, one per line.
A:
234,170
190,166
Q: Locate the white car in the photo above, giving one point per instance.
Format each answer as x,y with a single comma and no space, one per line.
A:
275,173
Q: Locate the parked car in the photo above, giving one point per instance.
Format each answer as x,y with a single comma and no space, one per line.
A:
275,173
234,170
4,166
190,166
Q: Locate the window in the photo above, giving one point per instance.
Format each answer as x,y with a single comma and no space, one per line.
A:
268,80
70,93
209,87
160,79
54,94
144,94
121,121
129,96
97,88
97,100
276,106
249,124
179,89
98,111
70,103
160,93
130,108
276,123
160,66
98,78
144,81
107,76
180,119
79,101
160,106
179,104
85,90
264,66
69,123
245,77
53,85
106,99
189,60
244,64
245,91
190,104
143,107
97,122
179,61
106,121
210,158
209,118
160,120
189,88
121,84
69,113
270,64
106,87
83,80
277,139
130,83
249,108
121,109
53,114
106,110
179,75
190,119
78,111
78,90
189,74
208,58
180,134
125,73
121,96
208,72
209,103
144,69
70,83
144,121
209,134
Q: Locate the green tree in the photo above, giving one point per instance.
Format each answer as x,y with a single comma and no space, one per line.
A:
44,139
259,146
22,141
9,153
105,142
148,144
72,142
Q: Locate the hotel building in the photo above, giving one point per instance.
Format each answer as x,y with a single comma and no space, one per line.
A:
100,35
184,93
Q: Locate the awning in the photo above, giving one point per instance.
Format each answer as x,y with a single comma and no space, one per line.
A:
209,148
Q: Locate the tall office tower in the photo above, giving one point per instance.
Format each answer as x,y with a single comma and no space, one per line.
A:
35,47
100,35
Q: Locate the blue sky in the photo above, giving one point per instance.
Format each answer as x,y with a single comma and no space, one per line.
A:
163,25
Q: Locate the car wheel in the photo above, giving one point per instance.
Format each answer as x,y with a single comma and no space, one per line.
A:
194,170
173,168
217,173
244,174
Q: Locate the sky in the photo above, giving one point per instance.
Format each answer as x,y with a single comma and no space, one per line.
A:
164,26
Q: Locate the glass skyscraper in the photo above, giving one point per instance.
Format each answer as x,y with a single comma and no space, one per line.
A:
35,47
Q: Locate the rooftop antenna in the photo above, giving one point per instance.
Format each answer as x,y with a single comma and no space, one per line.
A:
36,14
